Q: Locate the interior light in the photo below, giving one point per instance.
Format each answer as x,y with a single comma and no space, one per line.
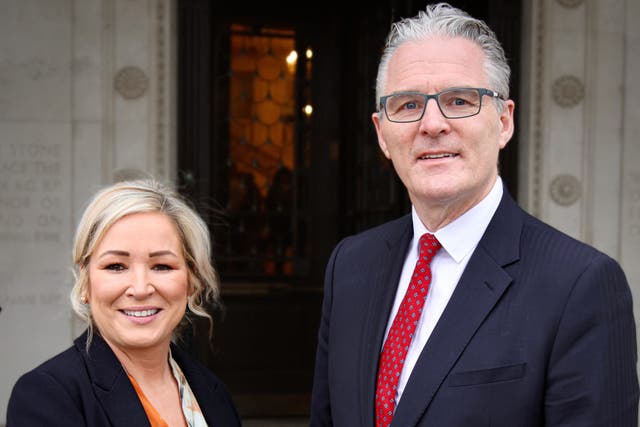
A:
308,109
292,58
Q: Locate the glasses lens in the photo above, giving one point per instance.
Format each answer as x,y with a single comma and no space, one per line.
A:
459,102
404,107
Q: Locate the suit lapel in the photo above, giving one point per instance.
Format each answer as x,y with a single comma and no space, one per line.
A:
383,278
478,291
111,384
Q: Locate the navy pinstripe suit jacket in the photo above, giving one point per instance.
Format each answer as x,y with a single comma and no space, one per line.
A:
538,332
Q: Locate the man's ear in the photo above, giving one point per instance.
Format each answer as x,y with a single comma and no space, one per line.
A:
375,117
506,122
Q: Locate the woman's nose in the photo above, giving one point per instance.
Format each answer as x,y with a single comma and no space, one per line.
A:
140,285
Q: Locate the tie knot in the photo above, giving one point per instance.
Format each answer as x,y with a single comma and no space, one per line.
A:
428,246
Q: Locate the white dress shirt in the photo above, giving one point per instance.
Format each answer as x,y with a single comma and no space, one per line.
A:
458,239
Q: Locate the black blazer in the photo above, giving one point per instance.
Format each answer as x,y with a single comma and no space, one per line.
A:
79,389
538,332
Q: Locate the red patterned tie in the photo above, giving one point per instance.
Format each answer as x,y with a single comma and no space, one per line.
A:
402,330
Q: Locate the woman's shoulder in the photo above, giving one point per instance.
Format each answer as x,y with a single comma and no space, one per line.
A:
61,390
192,366
212,394
60,364
63,369
55,385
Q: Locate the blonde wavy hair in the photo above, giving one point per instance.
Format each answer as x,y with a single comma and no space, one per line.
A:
142,196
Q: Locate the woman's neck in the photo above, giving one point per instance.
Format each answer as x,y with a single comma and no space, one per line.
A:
149,365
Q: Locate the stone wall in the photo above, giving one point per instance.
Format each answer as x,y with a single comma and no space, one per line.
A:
579,123
85,90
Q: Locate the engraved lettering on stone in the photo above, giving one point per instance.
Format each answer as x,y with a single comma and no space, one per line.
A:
565,189
43,298
128,174
31,192
131,82
570,3
567,91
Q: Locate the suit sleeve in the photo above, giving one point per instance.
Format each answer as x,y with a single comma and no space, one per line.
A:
37,399
321,398
592,379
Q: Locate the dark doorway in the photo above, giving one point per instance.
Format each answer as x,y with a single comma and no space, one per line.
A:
279,154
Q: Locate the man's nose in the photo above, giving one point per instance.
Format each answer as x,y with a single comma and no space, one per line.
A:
433,122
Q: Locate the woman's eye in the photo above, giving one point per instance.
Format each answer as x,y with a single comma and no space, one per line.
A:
162,267
115,267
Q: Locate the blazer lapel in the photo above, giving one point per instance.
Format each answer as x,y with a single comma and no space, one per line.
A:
384,283
111,384
215,409
479,289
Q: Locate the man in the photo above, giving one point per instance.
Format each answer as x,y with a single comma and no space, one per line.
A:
521,325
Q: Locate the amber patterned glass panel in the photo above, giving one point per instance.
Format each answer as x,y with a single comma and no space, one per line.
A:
261,160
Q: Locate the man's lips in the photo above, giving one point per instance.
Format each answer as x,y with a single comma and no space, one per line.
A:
437,156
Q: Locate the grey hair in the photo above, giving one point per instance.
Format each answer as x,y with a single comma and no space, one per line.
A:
445,20
143,196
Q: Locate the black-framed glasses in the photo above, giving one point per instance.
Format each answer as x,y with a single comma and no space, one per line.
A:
454,103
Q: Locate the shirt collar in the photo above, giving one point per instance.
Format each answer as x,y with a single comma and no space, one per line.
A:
462,235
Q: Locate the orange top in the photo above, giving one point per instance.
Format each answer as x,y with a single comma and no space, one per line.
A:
154,417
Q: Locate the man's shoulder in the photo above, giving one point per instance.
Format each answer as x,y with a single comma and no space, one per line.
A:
545,237
385,231
374,239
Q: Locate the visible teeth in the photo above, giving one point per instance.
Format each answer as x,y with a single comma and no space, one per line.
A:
142,313
436,156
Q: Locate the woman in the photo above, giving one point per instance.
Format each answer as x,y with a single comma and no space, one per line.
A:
142,267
